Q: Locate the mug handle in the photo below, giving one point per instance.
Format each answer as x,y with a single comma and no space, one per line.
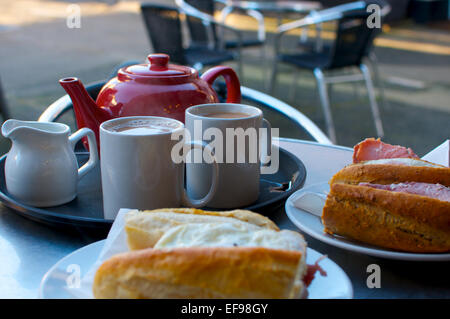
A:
231,79
196,203
93,154
266,147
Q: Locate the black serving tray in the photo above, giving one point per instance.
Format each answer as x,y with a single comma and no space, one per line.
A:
86,210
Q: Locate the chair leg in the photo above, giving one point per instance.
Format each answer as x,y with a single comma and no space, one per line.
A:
240,67
355,90
264,66
304,35
372,100
321,85
292,90
330,91
372,58
273,77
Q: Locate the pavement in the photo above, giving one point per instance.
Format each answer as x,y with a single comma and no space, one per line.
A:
37,49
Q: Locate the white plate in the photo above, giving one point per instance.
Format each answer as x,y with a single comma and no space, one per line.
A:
336,285
312,225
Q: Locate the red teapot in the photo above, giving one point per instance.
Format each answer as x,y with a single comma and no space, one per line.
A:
157,88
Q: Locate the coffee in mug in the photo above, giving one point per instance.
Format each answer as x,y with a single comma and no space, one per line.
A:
226,115
142,127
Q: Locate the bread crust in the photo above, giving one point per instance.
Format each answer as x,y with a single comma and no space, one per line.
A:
388,219
145,228
202,272
389,174
240,214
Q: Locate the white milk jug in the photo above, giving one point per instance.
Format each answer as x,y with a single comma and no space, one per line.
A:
41,167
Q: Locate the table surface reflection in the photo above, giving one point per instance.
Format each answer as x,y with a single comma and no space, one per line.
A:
28,249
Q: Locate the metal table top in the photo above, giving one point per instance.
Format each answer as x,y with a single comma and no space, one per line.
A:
29,249
275,6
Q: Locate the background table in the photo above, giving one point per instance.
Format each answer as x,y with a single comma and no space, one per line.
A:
274,6
29,249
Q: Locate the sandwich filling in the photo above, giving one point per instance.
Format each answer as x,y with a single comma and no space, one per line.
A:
230,235
402,161
436,191
374,149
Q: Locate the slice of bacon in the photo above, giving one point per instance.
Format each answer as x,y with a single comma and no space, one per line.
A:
311,271
374,149
436,191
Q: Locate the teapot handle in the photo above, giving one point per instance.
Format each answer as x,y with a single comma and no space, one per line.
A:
231,79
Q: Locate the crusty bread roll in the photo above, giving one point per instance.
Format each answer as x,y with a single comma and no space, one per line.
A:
393,171
209,260
145,228
201,272
388,219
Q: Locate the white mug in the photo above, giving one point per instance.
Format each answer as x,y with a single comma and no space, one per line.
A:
239,181
137,168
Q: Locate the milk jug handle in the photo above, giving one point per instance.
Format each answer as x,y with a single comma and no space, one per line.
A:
93,154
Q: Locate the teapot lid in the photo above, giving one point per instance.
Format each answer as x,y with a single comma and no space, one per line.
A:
159,67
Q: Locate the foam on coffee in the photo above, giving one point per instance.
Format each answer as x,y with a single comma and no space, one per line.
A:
145,127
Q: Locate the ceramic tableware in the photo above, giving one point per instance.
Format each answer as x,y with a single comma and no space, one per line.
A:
239,182
137,167
41,169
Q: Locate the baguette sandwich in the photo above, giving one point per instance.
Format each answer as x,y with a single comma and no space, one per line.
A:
390,198
190,253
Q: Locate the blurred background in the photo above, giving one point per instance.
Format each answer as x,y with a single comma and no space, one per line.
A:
413,58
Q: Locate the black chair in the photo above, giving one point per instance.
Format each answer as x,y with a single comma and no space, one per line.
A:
205,30
164,29
199,34
317,43
353,42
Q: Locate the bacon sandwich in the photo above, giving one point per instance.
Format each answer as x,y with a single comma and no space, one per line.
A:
390,198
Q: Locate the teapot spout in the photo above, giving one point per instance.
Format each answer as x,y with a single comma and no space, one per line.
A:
87,113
